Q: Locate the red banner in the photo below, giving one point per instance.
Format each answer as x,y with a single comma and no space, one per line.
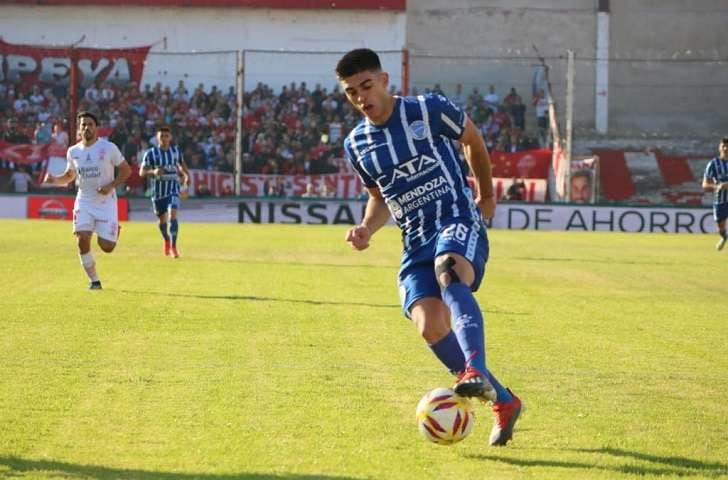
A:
31,64
341,185
28,154
61,208
525,164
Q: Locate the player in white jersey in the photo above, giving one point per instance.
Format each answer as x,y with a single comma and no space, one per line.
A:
92,160
404,152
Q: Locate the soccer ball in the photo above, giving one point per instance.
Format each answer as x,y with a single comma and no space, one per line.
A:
444,417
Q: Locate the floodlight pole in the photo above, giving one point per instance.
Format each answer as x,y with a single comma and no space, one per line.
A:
570,75
239,75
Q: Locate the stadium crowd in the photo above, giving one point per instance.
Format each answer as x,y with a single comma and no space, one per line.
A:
298,130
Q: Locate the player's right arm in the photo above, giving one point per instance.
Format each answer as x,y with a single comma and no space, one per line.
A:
710,180
68,176
146,168
376,215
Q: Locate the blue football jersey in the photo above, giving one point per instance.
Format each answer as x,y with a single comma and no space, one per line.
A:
413,161
168,183
717,171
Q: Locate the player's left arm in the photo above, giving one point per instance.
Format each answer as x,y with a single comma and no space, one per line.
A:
476,154
123,173
183,171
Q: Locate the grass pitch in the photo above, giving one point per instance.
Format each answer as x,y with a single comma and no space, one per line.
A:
277,352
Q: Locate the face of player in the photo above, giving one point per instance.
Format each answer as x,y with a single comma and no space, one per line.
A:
87,128
367,91
164,139
580,189
723,148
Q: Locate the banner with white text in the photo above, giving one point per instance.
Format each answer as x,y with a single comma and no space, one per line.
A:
511,216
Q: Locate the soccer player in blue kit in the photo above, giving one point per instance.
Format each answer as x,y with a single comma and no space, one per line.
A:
715,180
165,164
404,152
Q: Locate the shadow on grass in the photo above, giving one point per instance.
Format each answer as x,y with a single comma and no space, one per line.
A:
21,466
256,298
591,260
662,466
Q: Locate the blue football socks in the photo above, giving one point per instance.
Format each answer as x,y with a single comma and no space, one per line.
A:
173,231
163,229
448,351
470,332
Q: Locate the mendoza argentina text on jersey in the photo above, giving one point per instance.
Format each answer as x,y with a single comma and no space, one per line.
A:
167,184
415,164
717,172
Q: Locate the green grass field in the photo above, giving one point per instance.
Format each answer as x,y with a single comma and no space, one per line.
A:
277,352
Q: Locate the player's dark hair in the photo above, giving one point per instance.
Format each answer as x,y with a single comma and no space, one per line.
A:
164,128
87,115
724,140
357,61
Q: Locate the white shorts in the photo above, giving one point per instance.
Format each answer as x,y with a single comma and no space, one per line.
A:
101,217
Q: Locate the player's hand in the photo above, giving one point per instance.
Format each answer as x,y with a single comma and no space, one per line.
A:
359,237
49,179
158,172
105,190
722,186
487,206
184,193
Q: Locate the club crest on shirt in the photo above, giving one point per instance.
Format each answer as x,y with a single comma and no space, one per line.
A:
395,208
418,130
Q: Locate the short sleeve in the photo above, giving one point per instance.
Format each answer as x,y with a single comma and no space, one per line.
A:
446,118
116,157
352,158
146,159
710,173
69,161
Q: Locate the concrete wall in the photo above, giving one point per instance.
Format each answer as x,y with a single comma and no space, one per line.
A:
496,40
676,92
216,29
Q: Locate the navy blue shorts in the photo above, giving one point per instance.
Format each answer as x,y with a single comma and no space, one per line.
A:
162,205
720,211
417,278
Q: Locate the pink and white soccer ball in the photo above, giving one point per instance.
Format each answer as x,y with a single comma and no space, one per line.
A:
444,417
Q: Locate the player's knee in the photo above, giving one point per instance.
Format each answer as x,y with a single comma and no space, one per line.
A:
107,247
431,318
445,272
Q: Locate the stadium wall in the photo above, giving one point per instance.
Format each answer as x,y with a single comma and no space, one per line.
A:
211,29
682,92
667,57
493,44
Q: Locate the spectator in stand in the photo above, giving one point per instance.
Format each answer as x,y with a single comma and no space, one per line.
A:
42,134
12,134
59,136
458,97
517,191
20,180
514,140
518,112
492,100
541,104
310,191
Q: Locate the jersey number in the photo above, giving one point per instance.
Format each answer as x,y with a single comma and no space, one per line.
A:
458,231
